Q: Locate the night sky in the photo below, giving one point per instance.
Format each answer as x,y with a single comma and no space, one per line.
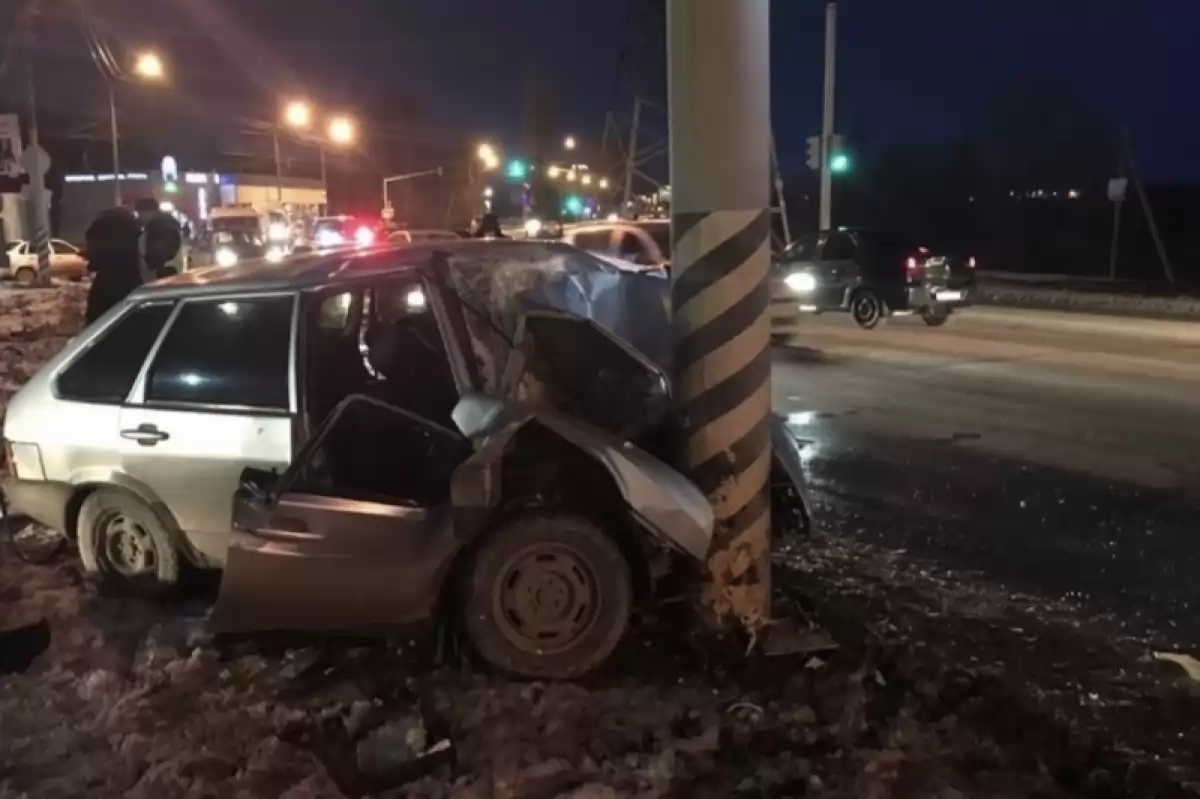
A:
910,71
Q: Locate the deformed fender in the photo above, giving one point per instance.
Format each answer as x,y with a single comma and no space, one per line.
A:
785,450
665,502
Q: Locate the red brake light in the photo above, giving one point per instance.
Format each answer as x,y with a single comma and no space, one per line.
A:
364,236
971,262
911,264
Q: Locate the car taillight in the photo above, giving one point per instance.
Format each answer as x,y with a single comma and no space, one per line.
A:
364,236
971,262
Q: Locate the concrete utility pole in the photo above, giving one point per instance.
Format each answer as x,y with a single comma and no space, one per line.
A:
39,232
631,157
827,113
719,82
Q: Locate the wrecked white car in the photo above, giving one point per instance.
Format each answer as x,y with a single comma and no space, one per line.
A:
466,426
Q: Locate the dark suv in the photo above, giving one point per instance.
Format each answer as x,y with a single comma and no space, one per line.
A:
874,274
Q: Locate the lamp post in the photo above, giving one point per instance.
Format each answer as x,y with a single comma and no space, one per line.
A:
149,67
406,176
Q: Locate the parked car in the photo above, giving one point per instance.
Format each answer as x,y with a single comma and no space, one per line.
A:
66,262
648,243
873,274
335,440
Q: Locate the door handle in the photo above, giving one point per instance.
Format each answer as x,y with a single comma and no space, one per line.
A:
145,434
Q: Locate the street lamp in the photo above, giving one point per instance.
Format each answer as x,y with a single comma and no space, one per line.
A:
570,143
603,183
487,154
298,114
552,172
342,131
149,67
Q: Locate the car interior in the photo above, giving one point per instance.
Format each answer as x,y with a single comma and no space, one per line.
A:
381,341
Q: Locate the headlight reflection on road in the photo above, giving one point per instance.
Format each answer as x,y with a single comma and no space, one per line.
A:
800,282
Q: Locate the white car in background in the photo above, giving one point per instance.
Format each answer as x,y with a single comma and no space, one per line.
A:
66,261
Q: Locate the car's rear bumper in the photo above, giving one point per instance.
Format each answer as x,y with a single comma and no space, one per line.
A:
44,501
924,296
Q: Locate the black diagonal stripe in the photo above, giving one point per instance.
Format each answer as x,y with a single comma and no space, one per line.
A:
731,392
733,462
735,525
682,222
729,324
719,261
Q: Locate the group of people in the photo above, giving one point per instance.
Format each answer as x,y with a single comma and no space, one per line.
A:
126,249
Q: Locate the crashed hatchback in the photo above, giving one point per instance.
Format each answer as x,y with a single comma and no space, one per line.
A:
463,427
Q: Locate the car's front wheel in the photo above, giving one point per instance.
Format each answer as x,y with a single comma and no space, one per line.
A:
124,544
867,308
935,315
548,596
26,276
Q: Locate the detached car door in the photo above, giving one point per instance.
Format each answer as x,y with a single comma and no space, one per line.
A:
217,395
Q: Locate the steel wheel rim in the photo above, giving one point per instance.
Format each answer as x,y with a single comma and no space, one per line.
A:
866,308
128,547
546,598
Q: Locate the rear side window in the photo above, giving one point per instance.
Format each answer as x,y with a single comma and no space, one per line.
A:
106,371
225,352
839,247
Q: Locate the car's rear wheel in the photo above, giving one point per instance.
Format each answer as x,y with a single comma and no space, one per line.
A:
124,545
935,315
26,276
548,596
867,308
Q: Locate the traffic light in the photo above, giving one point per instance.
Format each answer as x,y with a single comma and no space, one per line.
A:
517,169
839,158
814,152
573,205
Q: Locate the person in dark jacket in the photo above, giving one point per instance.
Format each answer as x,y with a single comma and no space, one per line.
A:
161,239
112,253
489,228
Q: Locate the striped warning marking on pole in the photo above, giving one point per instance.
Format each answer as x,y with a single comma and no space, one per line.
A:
41,244
720,294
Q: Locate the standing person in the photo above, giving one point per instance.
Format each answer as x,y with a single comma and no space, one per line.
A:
161,239
112,253
489,228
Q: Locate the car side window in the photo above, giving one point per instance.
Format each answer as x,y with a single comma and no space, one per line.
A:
106,370
804,249
231,352
839,247
593,240
61,248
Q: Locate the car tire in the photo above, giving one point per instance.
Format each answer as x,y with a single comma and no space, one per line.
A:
867,308
547,596
125,545
935,317
26,276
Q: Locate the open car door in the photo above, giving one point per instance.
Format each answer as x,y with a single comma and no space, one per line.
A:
355,535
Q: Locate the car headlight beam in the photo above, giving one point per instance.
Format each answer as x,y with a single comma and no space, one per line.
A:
226,257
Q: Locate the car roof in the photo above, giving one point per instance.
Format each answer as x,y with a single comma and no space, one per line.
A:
348,265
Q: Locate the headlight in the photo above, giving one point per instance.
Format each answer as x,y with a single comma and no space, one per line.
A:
364,237
274,254
226,257
329,238
800,282
533,227
278,231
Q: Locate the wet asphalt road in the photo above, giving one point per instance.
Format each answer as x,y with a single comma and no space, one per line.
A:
1057,454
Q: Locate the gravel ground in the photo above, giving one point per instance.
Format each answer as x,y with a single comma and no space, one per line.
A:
940,686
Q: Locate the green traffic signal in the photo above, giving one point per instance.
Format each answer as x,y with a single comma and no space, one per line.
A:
839,162
517,169
573,205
